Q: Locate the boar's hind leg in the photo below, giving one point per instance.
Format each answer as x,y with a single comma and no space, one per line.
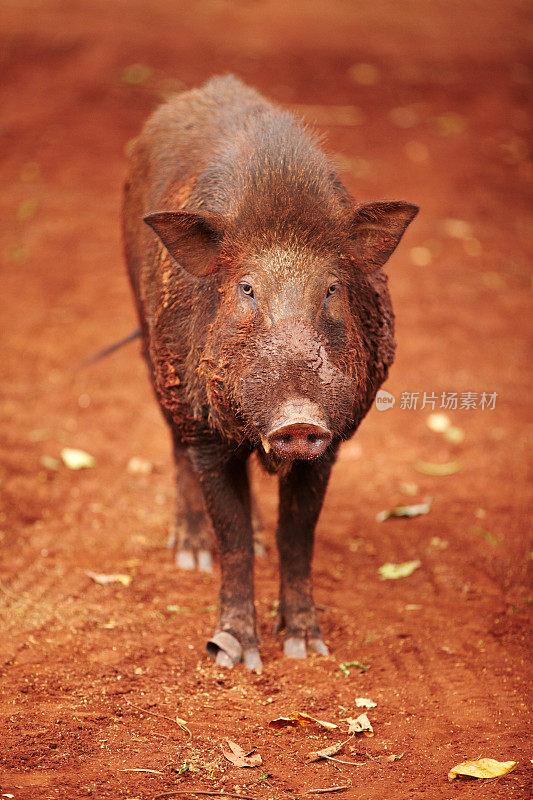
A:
191,535
301,494
257,523
224,480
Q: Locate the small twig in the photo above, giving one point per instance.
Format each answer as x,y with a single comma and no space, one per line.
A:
161,716
350,763
324,791
153,771
208,794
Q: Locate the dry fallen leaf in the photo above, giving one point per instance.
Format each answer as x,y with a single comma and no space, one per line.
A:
77,459
307,719
97,577
482,768
391,572
300,718
332,750
438,470
360,725
237,756
406,511
283,722
364,702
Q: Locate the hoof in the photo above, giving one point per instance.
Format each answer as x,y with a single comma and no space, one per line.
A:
223,660
185,559
205,561
225,649
318,646
252,661
294,648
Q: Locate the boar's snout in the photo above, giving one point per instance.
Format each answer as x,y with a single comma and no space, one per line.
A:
299,440
299,431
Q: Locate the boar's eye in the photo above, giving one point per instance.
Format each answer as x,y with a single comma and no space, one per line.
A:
246,289
332,289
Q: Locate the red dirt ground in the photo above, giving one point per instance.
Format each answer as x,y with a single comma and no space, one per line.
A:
447,647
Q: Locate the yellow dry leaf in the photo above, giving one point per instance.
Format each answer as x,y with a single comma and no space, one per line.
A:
439,470
482,768
306,719
391,572
300,718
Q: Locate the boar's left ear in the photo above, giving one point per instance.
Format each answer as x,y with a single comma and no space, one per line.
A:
191,239
376,230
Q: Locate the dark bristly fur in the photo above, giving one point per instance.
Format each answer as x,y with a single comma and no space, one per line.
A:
259,289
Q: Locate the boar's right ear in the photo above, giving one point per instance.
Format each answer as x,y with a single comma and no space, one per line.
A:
191,239
376,230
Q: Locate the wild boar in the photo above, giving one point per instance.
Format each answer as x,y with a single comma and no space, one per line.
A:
266,325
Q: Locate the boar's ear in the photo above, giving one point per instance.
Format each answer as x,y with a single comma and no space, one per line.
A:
376,230
191,239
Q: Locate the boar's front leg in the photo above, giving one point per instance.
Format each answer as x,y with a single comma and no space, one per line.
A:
301,494
224,481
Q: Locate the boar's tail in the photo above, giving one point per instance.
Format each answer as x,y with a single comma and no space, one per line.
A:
110,349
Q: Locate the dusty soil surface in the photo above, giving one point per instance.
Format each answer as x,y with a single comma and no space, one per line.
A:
93,677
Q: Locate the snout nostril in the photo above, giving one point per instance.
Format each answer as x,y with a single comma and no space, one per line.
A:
299,439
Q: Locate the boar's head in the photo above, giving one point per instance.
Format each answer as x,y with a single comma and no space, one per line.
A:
302,332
